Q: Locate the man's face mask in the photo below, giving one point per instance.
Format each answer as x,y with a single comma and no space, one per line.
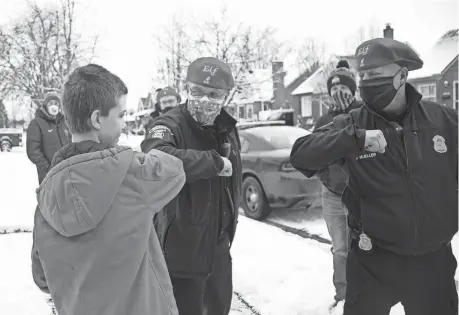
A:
379,92
53,107
342,97
168,102
205,104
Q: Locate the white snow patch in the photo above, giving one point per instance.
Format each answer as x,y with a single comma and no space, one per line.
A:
18,292
18,182
281,273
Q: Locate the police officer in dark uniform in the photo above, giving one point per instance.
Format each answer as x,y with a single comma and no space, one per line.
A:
197,228
400,153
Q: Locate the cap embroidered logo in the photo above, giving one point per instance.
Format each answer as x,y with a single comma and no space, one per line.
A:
335,80
439,144
363,50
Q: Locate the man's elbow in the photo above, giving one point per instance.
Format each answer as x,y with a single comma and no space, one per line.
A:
303,161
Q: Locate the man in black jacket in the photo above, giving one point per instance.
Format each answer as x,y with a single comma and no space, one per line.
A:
197,228
47,133
400,154
166,99
341,87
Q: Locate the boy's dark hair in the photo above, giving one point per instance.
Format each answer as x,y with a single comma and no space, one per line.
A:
90,88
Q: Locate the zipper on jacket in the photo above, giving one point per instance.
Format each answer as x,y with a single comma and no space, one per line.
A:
407,174
410,184
58,133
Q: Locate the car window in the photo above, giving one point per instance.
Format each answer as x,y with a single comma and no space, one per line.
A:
245,144
280,137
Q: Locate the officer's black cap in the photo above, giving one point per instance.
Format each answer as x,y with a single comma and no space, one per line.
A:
210,72
379,52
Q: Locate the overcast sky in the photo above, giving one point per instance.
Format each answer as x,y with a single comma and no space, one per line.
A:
127,28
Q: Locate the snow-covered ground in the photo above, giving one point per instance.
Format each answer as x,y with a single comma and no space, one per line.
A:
276,272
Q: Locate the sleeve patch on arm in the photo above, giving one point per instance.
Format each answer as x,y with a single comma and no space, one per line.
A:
160,132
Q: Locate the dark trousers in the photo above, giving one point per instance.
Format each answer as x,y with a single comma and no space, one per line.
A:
424,284
209,296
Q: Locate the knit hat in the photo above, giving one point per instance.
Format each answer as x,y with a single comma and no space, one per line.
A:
342,75
166,92
51,96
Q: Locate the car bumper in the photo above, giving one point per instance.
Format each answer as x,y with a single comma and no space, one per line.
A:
293,190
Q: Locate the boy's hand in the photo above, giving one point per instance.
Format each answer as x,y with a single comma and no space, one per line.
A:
227,168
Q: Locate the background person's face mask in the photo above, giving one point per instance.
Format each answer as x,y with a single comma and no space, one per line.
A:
378,93
342,98
53,108
167,103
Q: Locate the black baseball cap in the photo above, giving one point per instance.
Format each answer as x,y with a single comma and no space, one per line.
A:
379,52
210,72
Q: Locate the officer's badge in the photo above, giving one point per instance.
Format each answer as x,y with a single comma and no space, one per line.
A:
365,242
439,144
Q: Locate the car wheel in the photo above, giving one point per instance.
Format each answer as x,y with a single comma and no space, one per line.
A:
254,201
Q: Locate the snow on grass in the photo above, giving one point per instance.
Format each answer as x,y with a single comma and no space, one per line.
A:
282,273
18,182
18,292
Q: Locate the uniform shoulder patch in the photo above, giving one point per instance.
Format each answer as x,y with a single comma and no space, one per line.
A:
160,132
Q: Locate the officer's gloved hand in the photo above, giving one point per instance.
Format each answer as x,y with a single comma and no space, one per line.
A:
375,141
227,168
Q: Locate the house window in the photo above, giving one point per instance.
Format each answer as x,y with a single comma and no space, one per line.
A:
456,95
249,111
241,112
306,106
428,91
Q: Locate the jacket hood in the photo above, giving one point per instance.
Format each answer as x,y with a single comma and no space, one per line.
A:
77,193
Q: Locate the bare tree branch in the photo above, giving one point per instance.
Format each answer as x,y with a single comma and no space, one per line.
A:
241,46
40,50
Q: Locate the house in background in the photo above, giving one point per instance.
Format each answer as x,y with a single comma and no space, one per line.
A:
310,99
264,90
437,80
255,96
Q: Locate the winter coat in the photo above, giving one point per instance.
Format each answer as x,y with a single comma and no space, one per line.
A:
45,136
407,195
333,177
94,233
192,223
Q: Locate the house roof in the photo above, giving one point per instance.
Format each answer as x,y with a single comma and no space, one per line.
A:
439,57
317,82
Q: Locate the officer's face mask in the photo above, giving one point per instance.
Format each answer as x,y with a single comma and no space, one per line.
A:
205,104
379,92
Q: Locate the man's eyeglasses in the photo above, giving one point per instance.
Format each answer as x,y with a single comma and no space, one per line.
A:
197,92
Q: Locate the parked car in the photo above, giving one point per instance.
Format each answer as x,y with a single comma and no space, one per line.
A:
269,180
9,138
